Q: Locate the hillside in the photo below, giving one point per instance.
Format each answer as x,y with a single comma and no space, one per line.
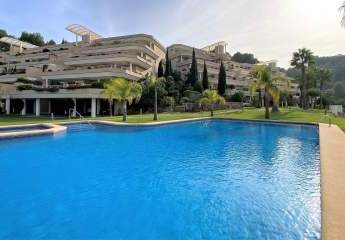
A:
335,63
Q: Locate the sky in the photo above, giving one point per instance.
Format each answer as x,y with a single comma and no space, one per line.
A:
270,29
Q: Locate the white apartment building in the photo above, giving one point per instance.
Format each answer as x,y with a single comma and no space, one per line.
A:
238,77
42,80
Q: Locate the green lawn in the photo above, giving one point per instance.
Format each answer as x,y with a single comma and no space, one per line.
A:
291,114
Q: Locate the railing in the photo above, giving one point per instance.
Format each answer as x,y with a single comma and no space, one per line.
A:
71,112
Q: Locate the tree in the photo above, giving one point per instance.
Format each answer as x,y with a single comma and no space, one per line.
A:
109,93
168,68
3,46
342,9
64,41
51,42
324,76
301,60
193,70
198,87
155,82
205,77
210,98
264,81
244,58
33,38
124,91
160,69
221,80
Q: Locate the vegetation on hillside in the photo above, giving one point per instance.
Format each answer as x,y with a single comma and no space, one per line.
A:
29,37
244,58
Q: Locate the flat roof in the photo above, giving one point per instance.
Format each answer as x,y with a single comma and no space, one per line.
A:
16,42
82,31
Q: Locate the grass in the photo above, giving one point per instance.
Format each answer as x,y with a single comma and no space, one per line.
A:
287,114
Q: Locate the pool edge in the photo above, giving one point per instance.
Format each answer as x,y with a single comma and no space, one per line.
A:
51,129
332,160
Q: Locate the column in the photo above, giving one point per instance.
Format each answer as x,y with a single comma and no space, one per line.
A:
38,107
23,113
131,67
74,112
93,107
8,106
98,107
49,106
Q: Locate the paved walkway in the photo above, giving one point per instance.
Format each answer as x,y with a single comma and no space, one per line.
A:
332,147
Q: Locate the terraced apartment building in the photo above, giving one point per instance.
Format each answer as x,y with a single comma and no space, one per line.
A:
238,77
45,78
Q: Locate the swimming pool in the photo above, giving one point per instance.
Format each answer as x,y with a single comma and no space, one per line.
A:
198,180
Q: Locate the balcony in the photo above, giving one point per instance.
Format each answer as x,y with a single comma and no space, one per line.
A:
98,73
113,58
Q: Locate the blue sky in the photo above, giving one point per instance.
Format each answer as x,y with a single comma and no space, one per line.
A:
271,29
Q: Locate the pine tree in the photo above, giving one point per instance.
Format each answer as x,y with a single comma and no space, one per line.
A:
205,77
194,70
160,69
221,80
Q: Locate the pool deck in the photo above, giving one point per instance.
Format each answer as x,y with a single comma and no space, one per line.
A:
332,153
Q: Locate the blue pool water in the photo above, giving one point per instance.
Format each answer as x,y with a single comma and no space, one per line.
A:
198,180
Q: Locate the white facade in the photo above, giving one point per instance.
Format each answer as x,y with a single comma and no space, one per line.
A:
75,71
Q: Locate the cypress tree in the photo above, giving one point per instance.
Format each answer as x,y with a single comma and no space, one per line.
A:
168,70
194,70
221,80
160,69
205,77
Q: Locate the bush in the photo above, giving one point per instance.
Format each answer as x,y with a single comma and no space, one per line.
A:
237,97
26,81
24,87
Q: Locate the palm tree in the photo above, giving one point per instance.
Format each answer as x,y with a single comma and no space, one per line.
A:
302,59
109,93
323,75
125,92
155,81
342,9
210,98
264,81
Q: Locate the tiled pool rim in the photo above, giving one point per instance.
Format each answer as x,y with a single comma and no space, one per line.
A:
332,158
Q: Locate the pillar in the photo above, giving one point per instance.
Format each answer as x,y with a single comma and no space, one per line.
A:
49,105
23,113
93,107
98,107
8,106
131,67
38,107
74,112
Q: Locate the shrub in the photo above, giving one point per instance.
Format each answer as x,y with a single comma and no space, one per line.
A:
26,81
24,87
237,97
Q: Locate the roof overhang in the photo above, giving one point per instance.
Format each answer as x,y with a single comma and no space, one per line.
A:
16,42
212,46
82,31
